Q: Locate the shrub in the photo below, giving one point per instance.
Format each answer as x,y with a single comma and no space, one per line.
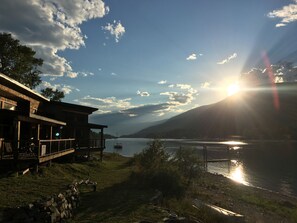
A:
168,181
187,161
157,171
153,157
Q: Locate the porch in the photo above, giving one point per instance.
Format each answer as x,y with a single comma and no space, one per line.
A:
42,151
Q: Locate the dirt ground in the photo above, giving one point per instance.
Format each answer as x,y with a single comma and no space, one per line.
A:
257,205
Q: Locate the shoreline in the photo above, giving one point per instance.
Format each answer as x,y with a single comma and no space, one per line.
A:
253,174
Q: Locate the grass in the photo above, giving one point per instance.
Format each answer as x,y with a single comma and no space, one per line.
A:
120,198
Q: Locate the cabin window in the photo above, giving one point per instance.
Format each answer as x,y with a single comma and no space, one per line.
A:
8,104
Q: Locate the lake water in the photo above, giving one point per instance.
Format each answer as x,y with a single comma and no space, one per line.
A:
269,165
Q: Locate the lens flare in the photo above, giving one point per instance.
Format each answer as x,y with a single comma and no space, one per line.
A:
272,82
232,89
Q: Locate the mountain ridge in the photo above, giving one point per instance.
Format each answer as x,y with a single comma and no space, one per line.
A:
252,114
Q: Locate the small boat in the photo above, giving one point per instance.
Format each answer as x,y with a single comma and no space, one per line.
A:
118,146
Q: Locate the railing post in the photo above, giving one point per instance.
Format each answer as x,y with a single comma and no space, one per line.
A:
205,157
1,148
39,148
229,158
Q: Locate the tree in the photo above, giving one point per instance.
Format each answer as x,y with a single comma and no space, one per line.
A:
53,95
188,163
18,61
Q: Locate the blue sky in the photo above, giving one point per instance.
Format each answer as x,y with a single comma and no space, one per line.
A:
144,61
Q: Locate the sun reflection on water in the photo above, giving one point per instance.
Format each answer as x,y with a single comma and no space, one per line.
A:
237,173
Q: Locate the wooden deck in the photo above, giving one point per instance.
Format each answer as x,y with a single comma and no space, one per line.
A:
55,155
44,150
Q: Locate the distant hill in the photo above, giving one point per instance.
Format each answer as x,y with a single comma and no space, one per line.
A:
249,114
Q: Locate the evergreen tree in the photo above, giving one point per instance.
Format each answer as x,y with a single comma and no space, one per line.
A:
18,62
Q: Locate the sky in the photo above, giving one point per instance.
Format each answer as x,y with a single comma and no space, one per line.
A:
141,61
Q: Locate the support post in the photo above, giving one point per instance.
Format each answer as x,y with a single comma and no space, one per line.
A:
102,144
51,137
16,138
205,157
229,158
19,134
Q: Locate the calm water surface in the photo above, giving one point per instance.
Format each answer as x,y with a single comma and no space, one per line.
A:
272,165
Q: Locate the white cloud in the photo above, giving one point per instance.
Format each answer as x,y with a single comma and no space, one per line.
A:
184,96
280,25
67,89
283,72
143,93
72,75
205,85
162,82
183,86
106,105
52,26
192,57
113,74
116,29
287,14
176,98
231,57
80,73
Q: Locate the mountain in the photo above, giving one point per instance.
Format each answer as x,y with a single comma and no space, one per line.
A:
121,123
265,113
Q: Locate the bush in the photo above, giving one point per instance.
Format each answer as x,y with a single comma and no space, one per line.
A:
153,157
187,161
157,171
168,181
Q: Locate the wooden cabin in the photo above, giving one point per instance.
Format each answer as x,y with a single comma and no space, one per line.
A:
33,128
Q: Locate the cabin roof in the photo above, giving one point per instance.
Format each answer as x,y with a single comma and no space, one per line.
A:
15,85
74,107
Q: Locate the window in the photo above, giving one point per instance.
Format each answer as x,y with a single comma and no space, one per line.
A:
7,104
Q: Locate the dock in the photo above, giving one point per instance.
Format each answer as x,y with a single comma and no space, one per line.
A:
222,146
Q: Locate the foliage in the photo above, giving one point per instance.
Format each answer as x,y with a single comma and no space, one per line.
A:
188,163
153,157
165,173
53,95
168,180
18,61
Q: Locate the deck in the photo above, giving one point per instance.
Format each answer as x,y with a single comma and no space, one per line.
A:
42,151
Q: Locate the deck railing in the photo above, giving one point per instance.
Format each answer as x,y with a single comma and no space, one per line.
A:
90,143
97,143
1,147
51,146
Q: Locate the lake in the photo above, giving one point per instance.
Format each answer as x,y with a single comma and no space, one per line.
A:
268,165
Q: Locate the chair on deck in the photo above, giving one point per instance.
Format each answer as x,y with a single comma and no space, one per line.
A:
6,149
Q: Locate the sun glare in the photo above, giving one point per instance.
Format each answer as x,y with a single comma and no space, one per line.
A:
232,89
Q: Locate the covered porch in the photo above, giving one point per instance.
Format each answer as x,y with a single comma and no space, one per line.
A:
32,138
94,142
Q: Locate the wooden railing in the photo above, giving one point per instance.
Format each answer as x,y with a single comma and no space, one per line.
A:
1,147
97,143
51,146
90,143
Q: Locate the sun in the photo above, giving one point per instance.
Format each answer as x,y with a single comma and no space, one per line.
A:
233,89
